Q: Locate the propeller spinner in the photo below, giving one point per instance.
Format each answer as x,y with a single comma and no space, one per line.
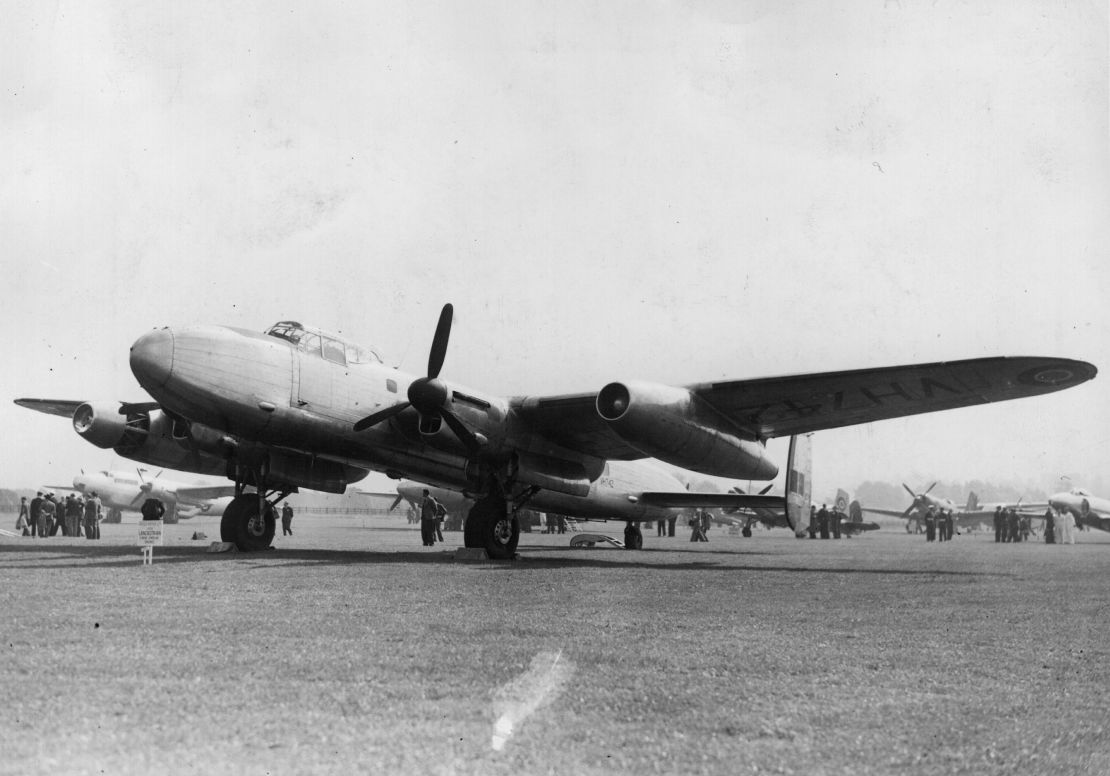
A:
428,395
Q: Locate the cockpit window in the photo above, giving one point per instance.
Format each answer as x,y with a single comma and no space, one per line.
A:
333,351
317,343
287,330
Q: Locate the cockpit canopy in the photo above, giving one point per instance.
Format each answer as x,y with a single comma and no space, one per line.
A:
319,343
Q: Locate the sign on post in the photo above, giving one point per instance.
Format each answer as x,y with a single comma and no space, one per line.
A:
150,536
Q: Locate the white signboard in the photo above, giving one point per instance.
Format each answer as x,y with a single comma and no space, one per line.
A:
150,533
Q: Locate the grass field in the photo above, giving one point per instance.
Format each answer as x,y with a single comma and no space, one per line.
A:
352,649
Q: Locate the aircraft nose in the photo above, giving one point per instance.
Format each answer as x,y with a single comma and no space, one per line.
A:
152,357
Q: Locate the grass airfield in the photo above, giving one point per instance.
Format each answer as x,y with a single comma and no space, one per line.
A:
353,649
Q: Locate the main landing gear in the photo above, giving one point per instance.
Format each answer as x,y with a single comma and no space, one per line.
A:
491,525
251,518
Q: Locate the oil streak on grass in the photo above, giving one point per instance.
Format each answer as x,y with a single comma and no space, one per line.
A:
520,698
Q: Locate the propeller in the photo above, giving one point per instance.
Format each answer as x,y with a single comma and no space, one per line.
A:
428,395
396,502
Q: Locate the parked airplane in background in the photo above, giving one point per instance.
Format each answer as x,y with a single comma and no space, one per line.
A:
299,407
121,491
972,515
1087,509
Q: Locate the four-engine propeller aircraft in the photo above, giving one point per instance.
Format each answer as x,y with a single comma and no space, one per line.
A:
298,407
123,491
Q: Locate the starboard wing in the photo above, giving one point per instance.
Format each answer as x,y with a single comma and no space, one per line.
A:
796,404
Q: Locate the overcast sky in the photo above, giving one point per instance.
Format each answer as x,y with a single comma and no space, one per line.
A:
676,192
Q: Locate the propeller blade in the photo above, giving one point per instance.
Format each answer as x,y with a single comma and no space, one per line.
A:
439,342
912,494
396,501
909,509
142,479
767,490
462,432
930,487
380,415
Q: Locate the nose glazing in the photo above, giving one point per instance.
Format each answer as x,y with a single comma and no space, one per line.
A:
152,358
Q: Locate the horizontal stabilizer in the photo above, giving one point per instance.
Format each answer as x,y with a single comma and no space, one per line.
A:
711,500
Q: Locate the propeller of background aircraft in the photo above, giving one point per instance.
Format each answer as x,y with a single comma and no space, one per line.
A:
918,498
428,395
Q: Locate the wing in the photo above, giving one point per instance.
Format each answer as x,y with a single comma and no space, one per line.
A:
769,407
887,512
63,408
798,404
572,422
680,499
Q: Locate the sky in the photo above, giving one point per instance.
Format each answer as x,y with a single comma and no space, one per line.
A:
676,192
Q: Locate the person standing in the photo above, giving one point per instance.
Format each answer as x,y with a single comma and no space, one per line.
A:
931,524
428,519
823,521
660,527
949,524
92,516
1012,526
836,519
441,515
36,509
74,512
1049,527
999,521
47,512
287,519
23,522
671,524
706,522
1067,523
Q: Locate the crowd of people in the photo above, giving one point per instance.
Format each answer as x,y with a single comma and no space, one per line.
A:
48,515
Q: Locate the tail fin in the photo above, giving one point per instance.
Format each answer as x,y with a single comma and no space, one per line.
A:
842,500
799,488
972,501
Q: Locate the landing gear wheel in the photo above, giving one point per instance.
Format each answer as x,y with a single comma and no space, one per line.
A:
242,526
746,532
633,537
490,526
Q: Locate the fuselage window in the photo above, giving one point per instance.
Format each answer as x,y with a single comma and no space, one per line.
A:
333,351
391,386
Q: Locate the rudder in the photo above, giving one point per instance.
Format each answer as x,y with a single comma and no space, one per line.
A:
799,487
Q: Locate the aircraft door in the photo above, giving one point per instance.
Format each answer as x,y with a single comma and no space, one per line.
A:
314,378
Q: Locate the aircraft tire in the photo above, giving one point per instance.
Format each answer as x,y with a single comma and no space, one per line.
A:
633,537
490,527
240,525
746,532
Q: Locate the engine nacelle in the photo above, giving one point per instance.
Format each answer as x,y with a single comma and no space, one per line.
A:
675,426
103,425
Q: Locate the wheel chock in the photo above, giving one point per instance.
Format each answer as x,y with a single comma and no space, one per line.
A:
222,547
471,554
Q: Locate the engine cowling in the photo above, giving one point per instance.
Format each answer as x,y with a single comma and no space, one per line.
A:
102,424
674,425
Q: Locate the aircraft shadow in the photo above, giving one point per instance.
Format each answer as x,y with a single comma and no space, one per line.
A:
116,556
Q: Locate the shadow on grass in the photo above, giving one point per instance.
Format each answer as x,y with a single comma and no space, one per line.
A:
115,556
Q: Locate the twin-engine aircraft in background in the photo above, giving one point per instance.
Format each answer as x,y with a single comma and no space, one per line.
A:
121,491
1087,509
298,407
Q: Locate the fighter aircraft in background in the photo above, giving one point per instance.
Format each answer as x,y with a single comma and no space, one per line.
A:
851,525
970,516
122,491
298,407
